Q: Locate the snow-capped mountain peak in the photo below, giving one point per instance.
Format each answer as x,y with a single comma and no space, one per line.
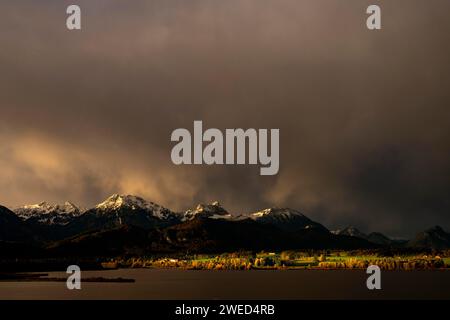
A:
47,213
286,219
213,210
116,202
280,213
46,208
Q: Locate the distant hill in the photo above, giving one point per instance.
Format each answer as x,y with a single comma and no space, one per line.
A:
350,231
434,238
379,238
374,237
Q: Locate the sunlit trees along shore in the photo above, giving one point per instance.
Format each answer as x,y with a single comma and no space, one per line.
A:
289,260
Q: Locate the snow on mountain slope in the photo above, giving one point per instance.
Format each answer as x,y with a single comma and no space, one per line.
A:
46,213
212,210
116,202
286,219
277,213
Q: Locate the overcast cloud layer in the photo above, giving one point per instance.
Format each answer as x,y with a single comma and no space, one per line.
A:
364,116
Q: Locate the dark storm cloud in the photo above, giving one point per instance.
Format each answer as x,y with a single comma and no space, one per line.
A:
365,126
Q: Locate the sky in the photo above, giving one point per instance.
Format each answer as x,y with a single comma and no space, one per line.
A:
363,115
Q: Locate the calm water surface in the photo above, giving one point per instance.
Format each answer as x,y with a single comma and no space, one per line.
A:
189,284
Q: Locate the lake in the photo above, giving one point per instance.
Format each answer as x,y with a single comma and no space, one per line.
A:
274,284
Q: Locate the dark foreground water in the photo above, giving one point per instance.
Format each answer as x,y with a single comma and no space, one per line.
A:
289,284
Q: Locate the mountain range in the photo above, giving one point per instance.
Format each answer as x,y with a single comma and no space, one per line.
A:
126,224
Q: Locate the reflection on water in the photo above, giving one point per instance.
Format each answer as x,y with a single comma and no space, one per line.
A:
184,284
